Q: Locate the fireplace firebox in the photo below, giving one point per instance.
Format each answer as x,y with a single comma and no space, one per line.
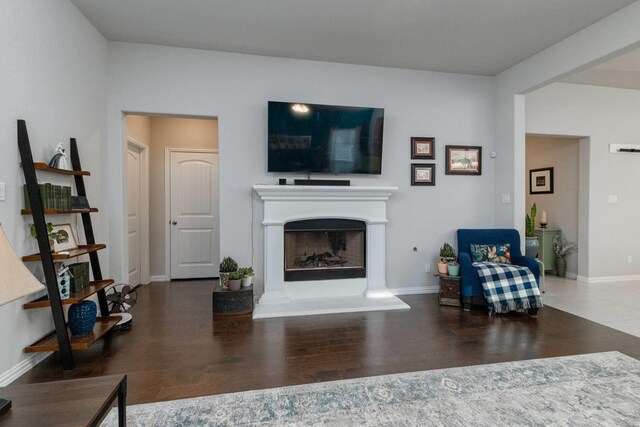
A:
322,249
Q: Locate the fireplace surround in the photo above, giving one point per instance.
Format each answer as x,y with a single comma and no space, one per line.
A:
289,207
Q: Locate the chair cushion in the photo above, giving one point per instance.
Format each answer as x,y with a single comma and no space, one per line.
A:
500,253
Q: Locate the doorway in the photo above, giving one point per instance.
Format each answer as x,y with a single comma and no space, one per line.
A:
192,250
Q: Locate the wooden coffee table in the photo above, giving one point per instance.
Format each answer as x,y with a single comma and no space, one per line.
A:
81,402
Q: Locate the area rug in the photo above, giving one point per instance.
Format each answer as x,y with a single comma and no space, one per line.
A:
593,389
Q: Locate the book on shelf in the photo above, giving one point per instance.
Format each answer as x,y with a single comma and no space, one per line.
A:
52,197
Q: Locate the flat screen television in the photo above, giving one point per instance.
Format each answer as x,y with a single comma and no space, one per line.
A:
324,138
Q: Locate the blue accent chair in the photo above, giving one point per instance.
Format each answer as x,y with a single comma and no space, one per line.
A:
470,286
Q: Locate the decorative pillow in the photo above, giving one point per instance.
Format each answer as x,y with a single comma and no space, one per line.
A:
500,253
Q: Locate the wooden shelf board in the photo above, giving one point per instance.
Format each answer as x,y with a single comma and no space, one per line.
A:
57,212
93,288
80,250
83,342
44,167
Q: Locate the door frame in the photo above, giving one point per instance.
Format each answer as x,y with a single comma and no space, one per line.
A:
167,199
144,209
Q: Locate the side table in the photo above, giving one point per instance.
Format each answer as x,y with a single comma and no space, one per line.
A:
449,290
227,302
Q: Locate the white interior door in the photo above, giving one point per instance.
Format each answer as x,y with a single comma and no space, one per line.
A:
194,214
133,217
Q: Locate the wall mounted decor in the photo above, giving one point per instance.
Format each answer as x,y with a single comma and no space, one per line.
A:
423,148
541,181
423,174
463,160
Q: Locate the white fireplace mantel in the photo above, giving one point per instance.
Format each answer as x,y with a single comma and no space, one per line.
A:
284,203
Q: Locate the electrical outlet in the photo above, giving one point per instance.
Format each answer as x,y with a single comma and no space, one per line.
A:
3,195
629,259
506,198
613,199
427,268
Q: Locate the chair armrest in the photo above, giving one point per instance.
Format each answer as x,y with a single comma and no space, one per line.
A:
468,275
527,261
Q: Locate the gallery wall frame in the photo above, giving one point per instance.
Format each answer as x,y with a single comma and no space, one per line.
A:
463,160
541,181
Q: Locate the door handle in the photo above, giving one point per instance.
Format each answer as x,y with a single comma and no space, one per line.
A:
174,222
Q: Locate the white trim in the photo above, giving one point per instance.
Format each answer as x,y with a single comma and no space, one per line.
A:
144,210
607,279
159,278
15,372
415,290
167,199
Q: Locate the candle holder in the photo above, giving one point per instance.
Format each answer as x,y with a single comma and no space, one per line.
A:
543,224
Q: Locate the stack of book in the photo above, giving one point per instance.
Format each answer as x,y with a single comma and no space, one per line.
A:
52,196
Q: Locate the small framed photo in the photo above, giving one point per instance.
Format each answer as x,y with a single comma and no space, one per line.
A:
423,174
423,148
541,181
63,237
463,160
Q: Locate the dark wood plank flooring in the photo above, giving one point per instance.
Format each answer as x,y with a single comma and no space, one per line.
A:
176,349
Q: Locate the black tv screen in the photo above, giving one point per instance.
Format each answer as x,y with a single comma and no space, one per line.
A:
324,138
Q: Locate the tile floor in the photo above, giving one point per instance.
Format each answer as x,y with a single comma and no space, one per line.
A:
614,304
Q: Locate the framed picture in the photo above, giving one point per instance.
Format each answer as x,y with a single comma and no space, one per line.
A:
463,160
423,148
63,237
541,181
423,174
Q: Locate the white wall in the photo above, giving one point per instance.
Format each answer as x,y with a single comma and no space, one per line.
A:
606,116
455,109
563,155
52,74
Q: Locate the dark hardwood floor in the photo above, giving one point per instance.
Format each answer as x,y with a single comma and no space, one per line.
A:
176,349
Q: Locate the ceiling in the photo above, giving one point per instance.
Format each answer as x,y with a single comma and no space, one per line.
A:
622,72
481,37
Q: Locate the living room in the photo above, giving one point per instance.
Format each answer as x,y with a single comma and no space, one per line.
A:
66,79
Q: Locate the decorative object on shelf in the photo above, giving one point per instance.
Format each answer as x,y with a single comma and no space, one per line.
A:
82,317
247,276
453,268
64,238
80,203
121,301
543,219
447,254
423,148
64,280
531,243
59,159
463,160
52,236
227,266
541,181
235,281
562,248
79,275
423,174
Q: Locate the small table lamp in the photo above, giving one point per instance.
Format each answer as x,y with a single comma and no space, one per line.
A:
16,281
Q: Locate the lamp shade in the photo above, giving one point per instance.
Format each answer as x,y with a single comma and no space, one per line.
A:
16,281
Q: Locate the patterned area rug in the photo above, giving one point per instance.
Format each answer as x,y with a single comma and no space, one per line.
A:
586,390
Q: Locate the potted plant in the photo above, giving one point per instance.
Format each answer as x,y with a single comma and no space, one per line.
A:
235,280
247,276
562,248
447,254
227,266
453,268
531,246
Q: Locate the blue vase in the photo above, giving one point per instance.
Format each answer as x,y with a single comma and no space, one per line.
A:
82,317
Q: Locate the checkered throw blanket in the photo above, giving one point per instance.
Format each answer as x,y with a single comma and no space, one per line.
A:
508,287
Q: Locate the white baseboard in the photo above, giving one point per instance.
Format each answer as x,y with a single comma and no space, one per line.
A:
161,278
607,279
14,373
415,290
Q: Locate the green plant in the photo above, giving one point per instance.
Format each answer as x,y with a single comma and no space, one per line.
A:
52,235
235,275
530,224
563,248
447,252
245,271
228,264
